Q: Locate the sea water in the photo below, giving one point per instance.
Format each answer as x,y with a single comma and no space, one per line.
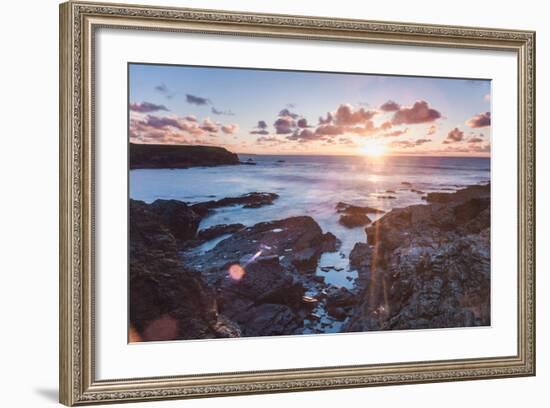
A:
312,185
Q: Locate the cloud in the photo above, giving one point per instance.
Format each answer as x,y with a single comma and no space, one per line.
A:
259,132
346,140
163,89
286,113
454,136
420,112
160,122
487,97
305,135
479,121
396,133
475,139
290,105
403,144
389,106
386,125
346,116
261,128
409,144
209,126
325,121
191,118
230,129
154,129
221,112
284,125
147,107
270,139
486,148
431,130
329,130
197,100
302,123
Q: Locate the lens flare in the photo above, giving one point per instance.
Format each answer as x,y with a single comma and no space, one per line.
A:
236,272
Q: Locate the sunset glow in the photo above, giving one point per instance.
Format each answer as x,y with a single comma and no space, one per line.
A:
374,148
255,111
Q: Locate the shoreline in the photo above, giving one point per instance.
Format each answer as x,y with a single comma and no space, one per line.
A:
290,298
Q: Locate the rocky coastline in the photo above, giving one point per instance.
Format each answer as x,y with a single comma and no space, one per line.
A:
151,156
422,266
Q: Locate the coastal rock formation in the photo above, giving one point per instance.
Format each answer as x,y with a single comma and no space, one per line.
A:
354,220
167,301
151,156
218,230
342,207
252,283
354,215
260,274
426,266
248,200
297,242
178,217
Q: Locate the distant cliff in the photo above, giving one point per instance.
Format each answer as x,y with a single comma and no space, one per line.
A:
149,156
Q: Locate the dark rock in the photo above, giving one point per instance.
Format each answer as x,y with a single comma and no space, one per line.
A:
429,266
218,230
178,217
249,200
297,241
360,255
340,297
479,191
270,263
167,301
386,197
330,243
354,220
338,313
268,320
413,190
249,162
342,207
406,184
150,156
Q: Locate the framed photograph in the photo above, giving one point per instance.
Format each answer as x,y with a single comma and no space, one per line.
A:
256,203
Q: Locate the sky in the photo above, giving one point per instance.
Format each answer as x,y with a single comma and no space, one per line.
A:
295,112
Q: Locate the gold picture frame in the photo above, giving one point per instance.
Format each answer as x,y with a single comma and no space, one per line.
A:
78,22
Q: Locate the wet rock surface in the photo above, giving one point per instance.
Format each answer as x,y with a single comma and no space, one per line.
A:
423,266
167,300
354,220
252,283
426,266
249,200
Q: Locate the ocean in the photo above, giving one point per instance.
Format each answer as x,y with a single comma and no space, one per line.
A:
312,185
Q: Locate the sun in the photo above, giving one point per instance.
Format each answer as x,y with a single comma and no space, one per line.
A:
373,148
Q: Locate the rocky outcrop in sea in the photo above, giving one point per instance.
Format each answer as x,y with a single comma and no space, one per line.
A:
426,266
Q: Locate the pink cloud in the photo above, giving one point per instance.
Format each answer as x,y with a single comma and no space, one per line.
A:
146,107
454,136
389,106
420,112
479,121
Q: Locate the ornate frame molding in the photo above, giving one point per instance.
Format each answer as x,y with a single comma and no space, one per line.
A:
78,21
